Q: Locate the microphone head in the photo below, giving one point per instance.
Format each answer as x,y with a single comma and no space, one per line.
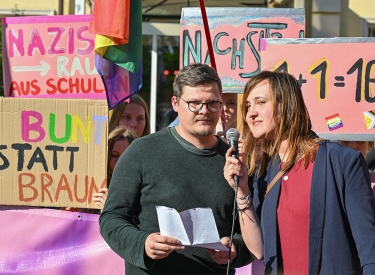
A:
233,133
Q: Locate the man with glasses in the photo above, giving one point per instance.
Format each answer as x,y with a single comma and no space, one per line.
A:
182,168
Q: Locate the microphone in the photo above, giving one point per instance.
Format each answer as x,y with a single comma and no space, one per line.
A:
233,135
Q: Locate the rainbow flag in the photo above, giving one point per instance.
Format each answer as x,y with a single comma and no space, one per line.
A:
118,46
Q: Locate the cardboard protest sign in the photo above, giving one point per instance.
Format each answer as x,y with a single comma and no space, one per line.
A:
337,77
52,151
236,34
50,57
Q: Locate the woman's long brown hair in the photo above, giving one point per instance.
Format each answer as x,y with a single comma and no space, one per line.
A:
292,120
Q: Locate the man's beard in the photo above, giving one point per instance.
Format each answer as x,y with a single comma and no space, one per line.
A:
206,131
203,133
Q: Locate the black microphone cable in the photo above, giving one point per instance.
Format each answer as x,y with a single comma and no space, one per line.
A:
233,221
233,136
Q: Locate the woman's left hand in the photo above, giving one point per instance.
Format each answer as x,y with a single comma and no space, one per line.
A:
221,257
234,167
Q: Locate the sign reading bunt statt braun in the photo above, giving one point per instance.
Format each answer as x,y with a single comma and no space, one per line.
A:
52,151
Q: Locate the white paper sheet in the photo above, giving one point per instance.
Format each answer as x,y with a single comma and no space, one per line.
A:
194,227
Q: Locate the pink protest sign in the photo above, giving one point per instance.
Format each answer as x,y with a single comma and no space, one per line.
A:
236,34
50,57
337,77
40,241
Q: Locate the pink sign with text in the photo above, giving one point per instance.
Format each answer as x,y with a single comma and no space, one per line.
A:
337,77
236,34
50,57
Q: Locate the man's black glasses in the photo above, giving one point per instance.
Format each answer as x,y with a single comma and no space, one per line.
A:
196,106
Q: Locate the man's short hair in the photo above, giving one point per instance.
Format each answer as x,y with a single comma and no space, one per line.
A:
194,75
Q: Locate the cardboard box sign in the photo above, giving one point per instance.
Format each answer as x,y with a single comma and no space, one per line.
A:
337,78
52,151
235,35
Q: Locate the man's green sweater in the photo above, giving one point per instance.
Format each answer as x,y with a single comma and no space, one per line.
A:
164,169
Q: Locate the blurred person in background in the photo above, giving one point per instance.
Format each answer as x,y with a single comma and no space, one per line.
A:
118,141
230,113
133,114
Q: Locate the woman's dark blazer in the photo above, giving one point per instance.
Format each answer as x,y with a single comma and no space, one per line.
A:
342,214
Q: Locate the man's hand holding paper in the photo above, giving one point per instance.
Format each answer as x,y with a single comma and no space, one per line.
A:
158,247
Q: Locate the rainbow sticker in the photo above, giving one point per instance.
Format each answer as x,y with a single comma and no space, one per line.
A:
369,119
334,122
